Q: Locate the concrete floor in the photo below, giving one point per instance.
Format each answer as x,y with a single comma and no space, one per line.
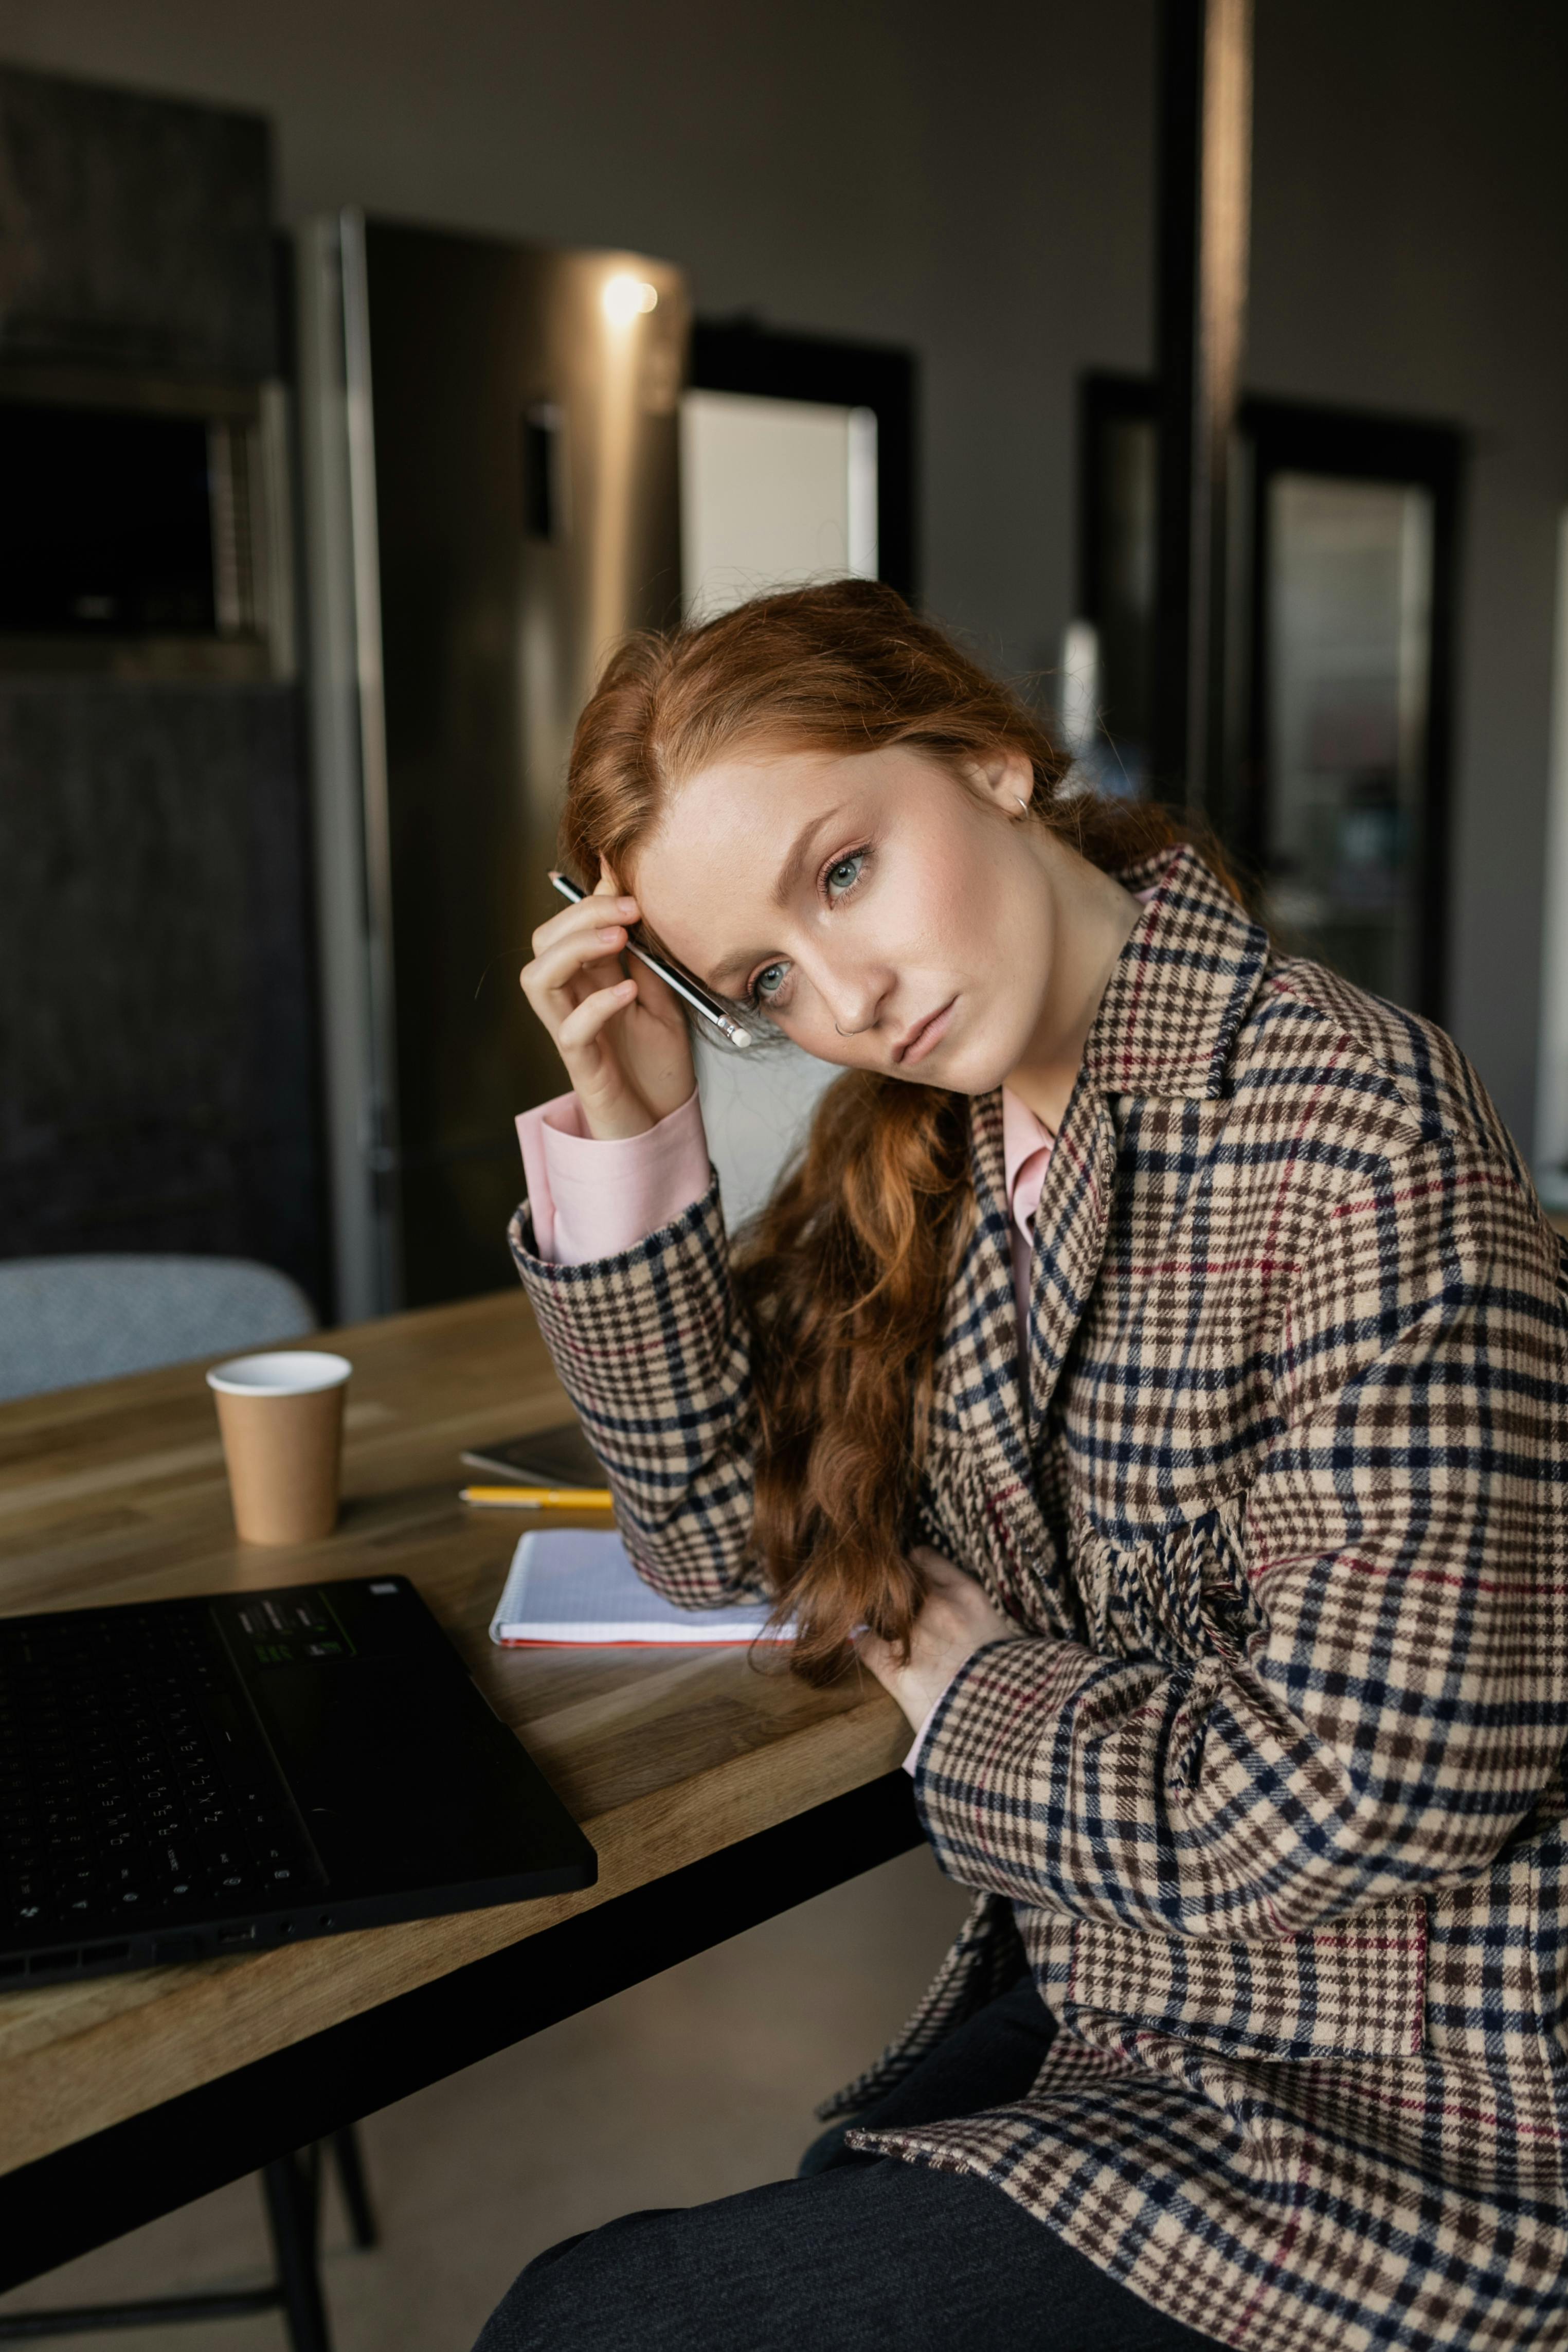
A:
696,2083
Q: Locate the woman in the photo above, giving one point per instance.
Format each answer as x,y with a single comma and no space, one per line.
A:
1155,1369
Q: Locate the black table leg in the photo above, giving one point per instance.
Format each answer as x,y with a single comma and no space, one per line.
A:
293,2185
351,2179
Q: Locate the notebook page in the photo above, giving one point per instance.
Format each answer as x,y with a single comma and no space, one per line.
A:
578,1585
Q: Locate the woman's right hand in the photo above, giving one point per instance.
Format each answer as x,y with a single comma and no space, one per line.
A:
623,1039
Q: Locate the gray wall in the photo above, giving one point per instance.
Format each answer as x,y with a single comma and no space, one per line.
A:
977,183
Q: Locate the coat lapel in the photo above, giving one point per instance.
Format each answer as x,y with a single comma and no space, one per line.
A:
980,1384
980,1406
1166,1025
1069,1228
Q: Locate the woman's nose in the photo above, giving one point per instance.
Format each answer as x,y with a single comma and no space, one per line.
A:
853,1003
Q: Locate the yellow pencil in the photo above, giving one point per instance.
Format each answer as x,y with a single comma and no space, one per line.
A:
539,1498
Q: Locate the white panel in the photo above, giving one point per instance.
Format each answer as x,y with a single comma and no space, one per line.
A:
865,556
764,495
1079,687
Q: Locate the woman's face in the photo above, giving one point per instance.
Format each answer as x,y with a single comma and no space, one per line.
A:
882,916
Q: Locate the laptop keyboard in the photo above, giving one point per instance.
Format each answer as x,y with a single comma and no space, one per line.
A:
133,1780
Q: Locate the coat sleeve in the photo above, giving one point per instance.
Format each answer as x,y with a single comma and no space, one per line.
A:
650,1348
1404,1700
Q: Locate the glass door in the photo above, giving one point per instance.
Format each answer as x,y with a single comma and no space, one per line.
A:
1341,633
1349,621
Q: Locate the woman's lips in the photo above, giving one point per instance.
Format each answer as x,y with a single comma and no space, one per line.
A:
920,1040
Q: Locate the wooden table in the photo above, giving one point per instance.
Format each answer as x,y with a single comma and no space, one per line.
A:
715,1792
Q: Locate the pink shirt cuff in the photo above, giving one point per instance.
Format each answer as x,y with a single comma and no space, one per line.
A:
592,1200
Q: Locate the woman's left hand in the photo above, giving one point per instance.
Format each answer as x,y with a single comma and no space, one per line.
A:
956,1620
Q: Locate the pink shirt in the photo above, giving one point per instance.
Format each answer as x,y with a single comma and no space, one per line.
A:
1026,1146
594,1199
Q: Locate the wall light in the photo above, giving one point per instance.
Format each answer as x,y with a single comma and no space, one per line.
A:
624,295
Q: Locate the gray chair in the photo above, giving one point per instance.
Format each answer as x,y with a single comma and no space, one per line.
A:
64,1320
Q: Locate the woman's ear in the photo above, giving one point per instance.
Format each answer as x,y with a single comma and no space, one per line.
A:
1005,777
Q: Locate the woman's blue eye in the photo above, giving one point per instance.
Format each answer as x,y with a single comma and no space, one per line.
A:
839,878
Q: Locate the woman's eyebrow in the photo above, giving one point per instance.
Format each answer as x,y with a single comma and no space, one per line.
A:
790,872
716,978
787,877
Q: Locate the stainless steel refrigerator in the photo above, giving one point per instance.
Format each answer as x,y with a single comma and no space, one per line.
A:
489,437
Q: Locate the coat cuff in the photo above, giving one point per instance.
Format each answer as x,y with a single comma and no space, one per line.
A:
636,1333
977,1783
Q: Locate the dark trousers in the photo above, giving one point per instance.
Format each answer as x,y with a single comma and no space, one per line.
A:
859,2253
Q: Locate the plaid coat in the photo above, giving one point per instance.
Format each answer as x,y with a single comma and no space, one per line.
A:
1270,1793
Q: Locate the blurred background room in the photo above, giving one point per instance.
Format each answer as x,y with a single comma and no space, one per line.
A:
366,369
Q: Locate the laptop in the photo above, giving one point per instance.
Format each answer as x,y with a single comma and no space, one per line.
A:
185,1777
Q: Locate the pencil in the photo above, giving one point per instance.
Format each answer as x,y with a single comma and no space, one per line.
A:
539,1498
684,984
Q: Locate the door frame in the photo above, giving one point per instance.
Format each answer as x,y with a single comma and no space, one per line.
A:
741,355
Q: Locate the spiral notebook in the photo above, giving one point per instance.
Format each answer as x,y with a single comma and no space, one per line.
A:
577,1585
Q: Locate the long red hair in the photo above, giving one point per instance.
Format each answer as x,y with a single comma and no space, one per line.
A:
843,1275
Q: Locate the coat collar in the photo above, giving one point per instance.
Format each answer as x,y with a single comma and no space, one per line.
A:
1167,1021
1181,987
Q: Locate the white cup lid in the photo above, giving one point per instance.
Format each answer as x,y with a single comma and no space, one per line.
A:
289,1372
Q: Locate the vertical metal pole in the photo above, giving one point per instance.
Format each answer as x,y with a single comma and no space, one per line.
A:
383,1144
348,733
1204,194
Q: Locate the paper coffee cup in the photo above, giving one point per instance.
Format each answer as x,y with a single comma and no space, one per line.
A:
281,1417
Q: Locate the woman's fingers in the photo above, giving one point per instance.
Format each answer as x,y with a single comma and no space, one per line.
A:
936,1568
591,955
628,1073
957,1602
580,948
584,1023
577,945
656,996
588,915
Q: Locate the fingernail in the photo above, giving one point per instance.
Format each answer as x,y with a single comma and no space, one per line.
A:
612,933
